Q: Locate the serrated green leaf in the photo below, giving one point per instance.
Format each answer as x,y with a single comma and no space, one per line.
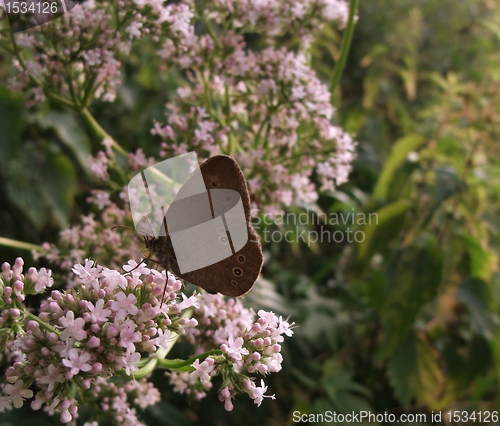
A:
415,372
431,378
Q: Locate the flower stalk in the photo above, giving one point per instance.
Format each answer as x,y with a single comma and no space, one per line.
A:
345,46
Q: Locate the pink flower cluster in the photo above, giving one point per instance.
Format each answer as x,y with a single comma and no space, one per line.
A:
248,347
276,17
271,112
95,330
79,56
114,399
14,287
267,109
93,237
112,326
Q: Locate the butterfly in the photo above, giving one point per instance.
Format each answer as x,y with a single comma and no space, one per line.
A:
235,275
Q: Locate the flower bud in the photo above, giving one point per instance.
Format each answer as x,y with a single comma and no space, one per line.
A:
14,312
93,342
262,368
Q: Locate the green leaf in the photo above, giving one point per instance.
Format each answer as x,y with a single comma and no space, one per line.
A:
378,233
481,261
24,190
414,278
401,369
431,378
448,184
414,369
70,134
167,414
44,186
397,157
346,394
12,125
374,288
475,294
58,185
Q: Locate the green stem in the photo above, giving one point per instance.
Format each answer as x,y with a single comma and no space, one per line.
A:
74,98
345,46
43,324
19,244
60,100
142,372
89,92
202,16
175,364
99,132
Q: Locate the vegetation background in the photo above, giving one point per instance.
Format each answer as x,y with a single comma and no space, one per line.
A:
405,322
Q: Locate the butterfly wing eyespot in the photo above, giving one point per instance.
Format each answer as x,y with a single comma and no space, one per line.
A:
237,271
221,230
234,282
241,258
223,240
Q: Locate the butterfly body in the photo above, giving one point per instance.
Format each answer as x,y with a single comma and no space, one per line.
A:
236,274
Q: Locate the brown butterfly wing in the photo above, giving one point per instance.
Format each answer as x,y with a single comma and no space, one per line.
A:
222,172
235,275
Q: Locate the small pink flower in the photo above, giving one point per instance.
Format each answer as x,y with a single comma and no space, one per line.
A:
188,302
136,270
162,340
129,361
124,305
77,361
43,280
17,393
234,348
97,313
53,375
128,336
203,370
73,328
88,273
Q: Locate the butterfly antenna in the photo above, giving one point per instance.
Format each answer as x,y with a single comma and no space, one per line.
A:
135,267
122,226
163,294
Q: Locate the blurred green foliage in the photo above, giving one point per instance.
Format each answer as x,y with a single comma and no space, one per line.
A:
407,320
